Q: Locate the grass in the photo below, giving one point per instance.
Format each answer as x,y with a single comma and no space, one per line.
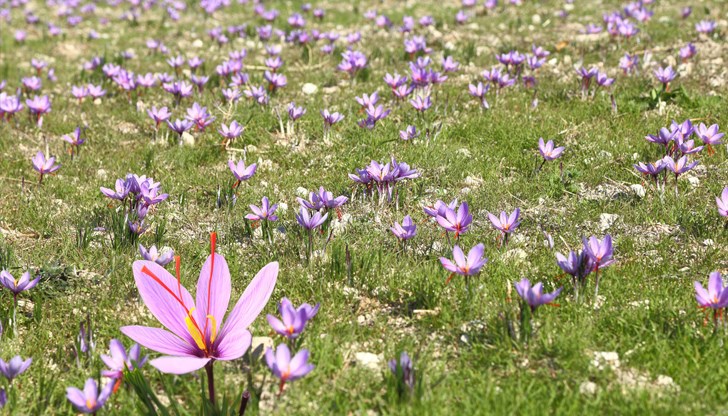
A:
373,298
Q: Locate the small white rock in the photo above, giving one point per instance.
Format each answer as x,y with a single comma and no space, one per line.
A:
367,360
638,190
588,388
309,89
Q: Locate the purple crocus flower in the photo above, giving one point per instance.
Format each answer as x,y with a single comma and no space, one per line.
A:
275,80
309,222
463,266
90,400
120,361
665,76
547,150
506,223
331,118
231,132
680,166
14,367
39,106
722,202
159,115
368,100
409,133
440,208
421,103
263,213
154,255
294,113
120,191
74,139
199,115
293,320
687,52
716,297
180,126
652,169
578,264
456,221
705,26
599,251
533,295
198,331
406,230
404,369
44,166
242,172
709,135
284,367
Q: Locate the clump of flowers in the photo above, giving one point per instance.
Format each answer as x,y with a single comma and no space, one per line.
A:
137,196
383,177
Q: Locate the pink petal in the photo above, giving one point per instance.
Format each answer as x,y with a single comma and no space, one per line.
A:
161,294
213,285
234,345
159,340
179,365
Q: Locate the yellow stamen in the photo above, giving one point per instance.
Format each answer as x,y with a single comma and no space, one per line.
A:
90,403
194,331
214,327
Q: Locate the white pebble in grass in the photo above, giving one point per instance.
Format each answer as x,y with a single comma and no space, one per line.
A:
302,192
607,220
638,190
367,360
588,388
309,89
187,139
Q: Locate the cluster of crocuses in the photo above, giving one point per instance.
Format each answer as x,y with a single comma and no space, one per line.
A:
137,195
119,362
290,326
321,203
514,63
384,177
601,79
594,256
677,147
374,111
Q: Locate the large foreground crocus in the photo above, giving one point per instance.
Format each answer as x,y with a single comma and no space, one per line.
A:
197,332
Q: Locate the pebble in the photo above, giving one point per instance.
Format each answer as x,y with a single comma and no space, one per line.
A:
309,89
367,360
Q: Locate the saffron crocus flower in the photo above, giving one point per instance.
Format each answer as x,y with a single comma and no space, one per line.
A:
409,133
293,320
284,367
406,230
403,370
722,202
90,400
331,118
548,151
14,367
263,213
420,103
456,221
230,133
678,167
709,135
120,191
180,126
154,255
198,332
506,223
601,255
578,265
242,172
665,76
716,297
74,139
533,295
159,115
439,208
44,166
119,361
39,106
705,26
463,266
309,222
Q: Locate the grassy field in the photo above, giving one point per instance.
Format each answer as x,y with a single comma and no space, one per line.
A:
642,347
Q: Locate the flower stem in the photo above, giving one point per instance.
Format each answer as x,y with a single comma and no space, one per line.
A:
210,382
